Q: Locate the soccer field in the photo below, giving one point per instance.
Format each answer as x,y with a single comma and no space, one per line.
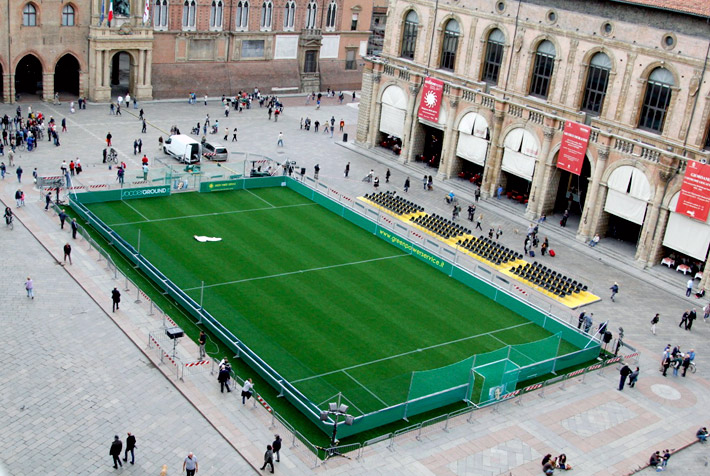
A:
334,309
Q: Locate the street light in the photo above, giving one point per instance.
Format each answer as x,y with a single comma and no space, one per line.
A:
335,410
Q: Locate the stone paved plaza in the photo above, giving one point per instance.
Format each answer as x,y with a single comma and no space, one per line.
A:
74,373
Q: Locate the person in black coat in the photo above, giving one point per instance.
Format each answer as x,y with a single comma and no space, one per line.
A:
130,446
624,373
223,378
115,452
276,447
116,298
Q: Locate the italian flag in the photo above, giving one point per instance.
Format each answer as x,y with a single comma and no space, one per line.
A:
110,13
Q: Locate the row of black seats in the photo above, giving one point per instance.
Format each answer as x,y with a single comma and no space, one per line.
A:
440,225
548,279
393,202
490,250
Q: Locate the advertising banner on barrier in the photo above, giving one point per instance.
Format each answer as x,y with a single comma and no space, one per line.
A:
694,199
160,191
575,139
220,185
431,99
414,250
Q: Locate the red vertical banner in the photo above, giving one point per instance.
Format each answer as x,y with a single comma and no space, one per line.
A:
575,139
694,198
431,99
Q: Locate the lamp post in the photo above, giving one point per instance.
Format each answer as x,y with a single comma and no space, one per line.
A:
335,411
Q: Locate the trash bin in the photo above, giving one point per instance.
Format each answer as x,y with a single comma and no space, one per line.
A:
345,137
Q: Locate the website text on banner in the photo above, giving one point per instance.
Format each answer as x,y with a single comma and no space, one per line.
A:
694,199
575,139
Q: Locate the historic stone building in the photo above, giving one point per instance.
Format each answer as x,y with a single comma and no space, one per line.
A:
514,72
208,46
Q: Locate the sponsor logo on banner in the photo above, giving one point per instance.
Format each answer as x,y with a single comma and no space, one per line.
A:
145,192
694,199
575,139
431,99
220,185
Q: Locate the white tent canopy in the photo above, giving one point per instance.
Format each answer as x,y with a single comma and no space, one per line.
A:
685,235
519,154
472,144
394,111
629,190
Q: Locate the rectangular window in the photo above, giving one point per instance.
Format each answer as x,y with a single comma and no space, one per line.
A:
350,62
252,48
409,39
310,65
494,58
353,24
595,90
542,72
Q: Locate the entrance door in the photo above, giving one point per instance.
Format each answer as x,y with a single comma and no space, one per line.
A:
28,77
66,76
121,77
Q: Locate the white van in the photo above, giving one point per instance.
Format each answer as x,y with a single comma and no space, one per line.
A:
184,148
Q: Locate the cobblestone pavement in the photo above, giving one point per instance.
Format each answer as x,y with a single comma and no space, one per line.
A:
63,408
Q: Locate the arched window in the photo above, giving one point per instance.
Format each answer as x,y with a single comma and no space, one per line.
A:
450,45
289,15
267,9
656,100
494,57
216,14
242,16
29,15
409,35
330,16
543,69
311,14
188,15
160,14
597,82
68,15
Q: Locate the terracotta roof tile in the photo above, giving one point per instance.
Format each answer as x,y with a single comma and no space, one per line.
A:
697,7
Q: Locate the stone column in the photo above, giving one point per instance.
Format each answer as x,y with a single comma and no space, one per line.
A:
656,248
448,148
652,232
149,69
48,87
649,225
8,87
491,173
140,76
595,199
541,178
107,70
407,154
375,107
706,274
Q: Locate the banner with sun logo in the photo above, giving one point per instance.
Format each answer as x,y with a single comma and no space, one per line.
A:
431,99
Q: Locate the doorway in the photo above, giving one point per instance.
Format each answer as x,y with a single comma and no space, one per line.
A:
121,68
28,77
66,76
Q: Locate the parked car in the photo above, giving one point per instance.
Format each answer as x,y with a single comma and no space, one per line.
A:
216,152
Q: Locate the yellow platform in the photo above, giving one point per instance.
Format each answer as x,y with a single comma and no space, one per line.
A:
572,301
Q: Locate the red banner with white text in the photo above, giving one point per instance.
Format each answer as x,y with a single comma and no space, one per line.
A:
575,139
431,99
694,199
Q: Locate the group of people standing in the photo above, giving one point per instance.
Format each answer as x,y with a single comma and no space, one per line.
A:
676,359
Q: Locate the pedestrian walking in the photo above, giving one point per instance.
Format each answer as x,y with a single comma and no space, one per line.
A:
316,171
115,298
67,253
203,341
387,176
223,377
47,200
633,377
654,322
74,228
108,139
247,390
190,465
689,288
499,192
406,185
234,135
280,141
30,288
425,180
691,317
115,452
624,373
276,445
145,171
684,319
347,172
686,363
64,124
342,124
144,127
614,290
479,220
477,194
666,457
268,458
62,218
19,174
130,446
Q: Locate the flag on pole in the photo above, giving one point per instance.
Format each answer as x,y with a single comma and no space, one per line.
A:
103,9
146,12
110,13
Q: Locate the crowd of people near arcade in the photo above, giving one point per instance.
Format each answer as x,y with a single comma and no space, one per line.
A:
26,132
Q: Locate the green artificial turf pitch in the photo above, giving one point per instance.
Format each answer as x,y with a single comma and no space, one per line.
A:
328,305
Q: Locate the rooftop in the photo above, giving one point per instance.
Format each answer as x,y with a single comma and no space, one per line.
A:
695,7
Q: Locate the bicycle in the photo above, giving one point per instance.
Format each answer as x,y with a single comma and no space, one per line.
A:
21,146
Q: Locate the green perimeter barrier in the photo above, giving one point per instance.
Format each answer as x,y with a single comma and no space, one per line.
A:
502,372
122,194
